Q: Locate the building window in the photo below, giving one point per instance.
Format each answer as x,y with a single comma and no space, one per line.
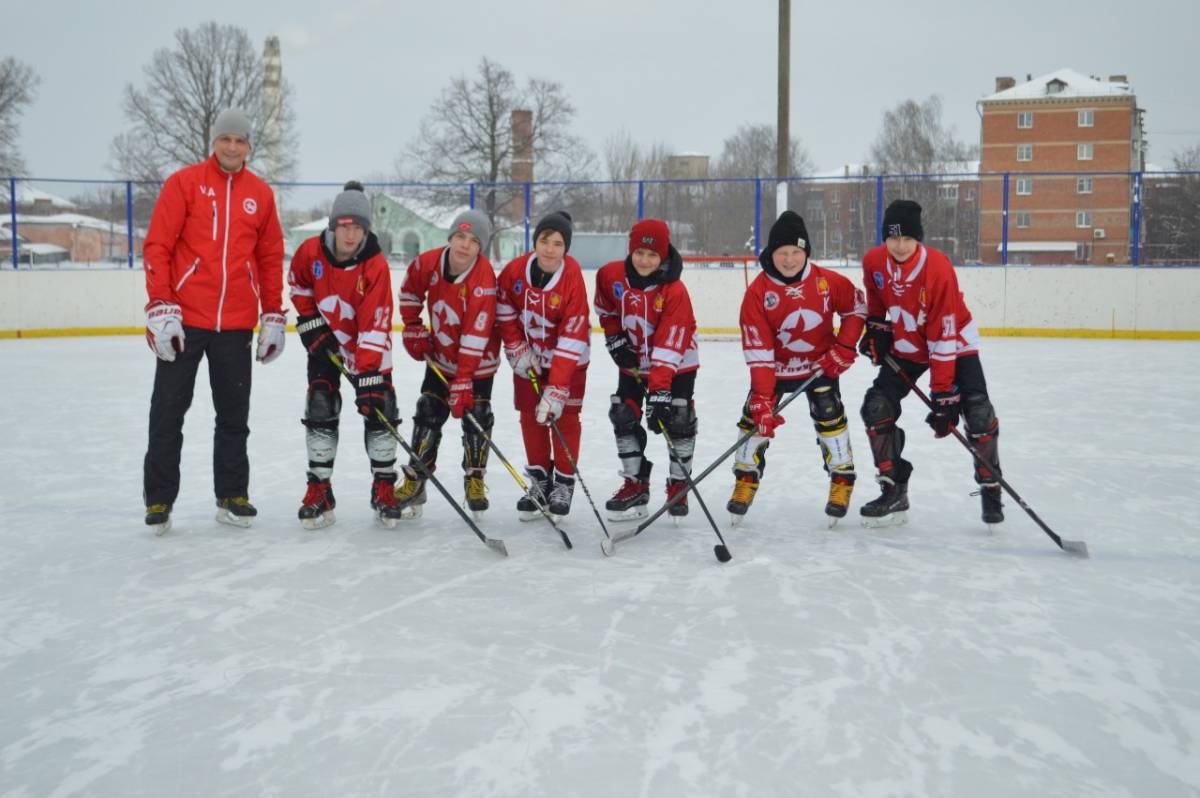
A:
1020,258
969,195
1084,152
948,192
1083,218
833,198
1024,220
411,245
1083,185
1024,186
1087,117
853,204
1025,119
837,214
1024,152
1083,252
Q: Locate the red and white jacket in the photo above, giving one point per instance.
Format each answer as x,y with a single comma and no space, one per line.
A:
930,320
654,313
462,313
786,328
553,320
215,248
354,297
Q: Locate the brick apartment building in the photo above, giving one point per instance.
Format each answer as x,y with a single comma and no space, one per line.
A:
1067,124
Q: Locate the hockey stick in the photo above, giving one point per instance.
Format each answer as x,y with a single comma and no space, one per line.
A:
495,544
1076,547
696,480
574,466
721,550
521,482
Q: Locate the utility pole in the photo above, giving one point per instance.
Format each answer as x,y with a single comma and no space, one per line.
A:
782,134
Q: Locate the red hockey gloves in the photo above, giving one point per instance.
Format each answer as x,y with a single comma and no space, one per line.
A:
462,396
520,357
837,359
658,410
877,339
762,413
164,330
416,340
272,333
316,336
554,399
621,351
945,412
371,394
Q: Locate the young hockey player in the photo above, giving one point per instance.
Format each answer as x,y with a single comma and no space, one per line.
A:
787,336
542,314
650,332
917,315
342,291
457,284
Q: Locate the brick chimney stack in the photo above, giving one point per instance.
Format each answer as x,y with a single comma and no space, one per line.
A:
1004,83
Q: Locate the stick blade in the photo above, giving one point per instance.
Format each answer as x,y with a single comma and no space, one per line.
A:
1076,547
608,546
722,553
497,546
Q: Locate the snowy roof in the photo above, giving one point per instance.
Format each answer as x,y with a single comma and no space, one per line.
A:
436,215
43,249
1076,85
316,225
860,170
1039,246
70,219
28,195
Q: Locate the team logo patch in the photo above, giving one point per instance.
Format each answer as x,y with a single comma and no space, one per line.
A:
249,206
518,285
362,285
317,269
921,297
878,278
771,300
555,300
658,302
481,291
462,292
822,286
433,279
618,290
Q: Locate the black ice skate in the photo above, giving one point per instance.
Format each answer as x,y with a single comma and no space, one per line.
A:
743,496
629,502
993,512
410,496
236,511
383,500
561,494
536,496
891,506
476,494
674,488
840,488
316,508
158,518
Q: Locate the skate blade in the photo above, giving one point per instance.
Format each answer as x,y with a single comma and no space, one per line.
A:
226,517
735,519
478,515
161,529
413,512
632,514
529,515
385,522
884,521
320,522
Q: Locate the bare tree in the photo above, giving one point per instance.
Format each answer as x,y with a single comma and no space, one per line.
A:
1170,208
751,152
210,68
18,88
913,140
614,205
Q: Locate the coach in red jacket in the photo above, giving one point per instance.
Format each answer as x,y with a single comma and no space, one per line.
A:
214,260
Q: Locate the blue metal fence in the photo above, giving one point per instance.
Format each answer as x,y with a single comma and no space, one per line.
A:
1138,218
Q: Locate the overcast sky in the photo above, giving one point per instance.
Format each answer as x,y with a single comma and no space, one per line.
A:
364,72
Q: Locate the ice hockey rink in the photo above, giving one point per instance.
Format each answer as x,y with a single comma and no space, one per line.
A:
938,658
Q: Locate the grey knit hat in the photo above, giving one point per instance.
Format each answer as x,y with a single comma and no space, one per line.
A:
234,121
476,223
352,204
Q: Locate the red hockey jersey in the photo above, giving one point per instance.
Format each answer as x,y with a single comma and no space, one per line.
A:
553,320
354,298
462,313
930,320
658,319
786,328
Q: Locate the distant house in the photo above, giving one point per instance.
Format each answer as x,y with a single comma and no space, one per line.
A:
33,200
407,227
86,239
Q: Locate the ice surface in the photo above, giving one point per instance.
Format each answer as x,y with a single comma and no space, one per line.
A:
931,659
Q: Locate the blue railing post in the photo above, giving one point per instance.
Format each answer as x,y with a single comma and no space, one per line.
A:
528,202
878,210
12,210
471,196
129,217
1135,221
758,214
1004,225
641,211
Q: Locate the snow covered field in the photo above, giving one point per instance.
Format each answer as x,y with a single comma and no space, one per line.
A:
932,659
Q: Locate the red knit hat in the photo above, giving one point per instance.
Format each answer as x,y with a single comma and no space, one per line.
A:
650,234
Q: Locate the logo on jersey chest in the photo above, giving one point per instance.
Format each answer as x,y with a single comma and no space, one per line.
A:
659,302
770,300
249,205
517,286
618,290
877,278
318,269
555,300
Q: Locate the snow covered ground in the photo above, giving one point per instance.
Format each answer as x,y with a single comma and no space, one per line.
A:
933,659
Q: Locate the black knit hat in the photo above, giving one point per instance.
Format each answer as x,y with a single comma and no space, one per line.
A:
560,222
788,230
903,218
